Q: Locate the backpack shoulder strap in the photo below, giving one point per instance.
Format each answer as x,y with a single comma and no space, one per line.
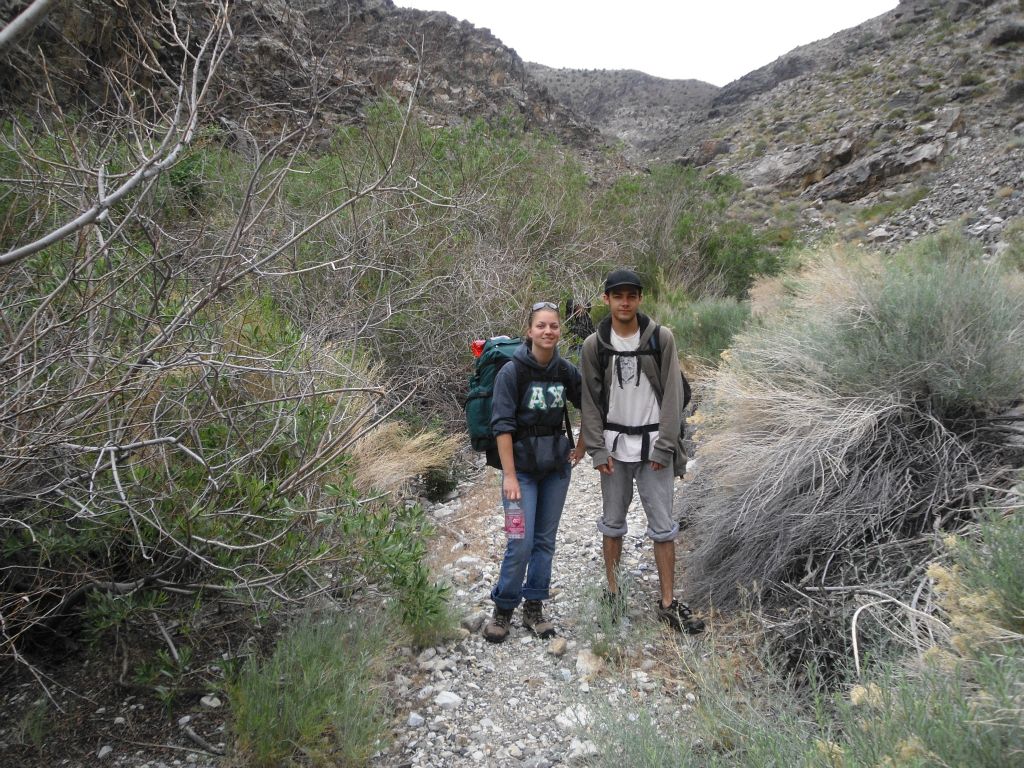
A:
522,382
566,380
656,346
563,371
655,343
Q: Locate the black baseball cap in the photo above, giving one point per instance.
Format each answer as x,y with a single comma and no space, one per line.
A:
620,277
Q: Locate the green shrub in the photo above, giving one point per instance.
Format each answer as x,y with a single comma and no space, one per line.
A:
971,78
685,232
939,329
704,329
391,548
993,567
36,724
319,696
886,208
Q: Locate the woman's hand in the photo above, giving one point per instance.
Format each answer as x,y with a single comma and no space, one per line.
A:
510,487
575,456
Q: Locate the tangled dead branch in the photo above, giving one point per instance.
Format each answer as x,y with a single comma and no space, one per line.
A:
164,425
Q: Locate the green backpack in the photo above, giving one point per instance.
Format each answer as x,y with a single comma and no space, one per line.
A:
496,352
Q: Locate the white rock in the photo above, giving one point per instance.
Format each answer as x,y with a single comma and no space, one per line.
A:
401,681
425,693
211,701
105,750
588,663
415,720
582,749
573,717
448,700
474,621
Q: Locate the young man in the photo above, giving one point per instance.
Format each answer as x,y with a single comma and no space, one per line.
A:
631,417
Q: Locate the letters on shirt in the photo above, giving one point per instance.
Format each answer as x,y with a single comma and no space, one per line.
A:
544,398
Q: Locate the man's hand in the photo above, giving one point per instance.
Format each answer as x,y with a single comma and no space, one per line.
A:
606,468
656,466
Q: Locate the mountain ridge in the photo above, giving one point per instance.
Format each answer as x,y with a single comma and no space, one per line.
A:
858,117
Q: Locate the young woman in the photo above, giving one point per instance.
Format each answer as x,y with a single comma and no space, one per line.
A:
527,416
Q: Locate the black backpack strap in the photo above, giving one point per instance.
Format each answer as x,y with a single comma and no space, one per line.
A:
604,355
645,430
563,370
522,382
656,345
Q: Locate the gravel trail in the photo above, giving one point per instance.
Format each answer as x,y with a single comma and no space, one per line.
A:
528,702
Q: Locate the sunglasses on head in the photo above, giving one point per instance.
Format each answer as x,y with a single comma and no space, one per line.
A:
543,305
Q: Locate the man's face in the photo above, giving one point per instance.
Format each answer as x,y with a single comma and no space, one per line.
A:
623,302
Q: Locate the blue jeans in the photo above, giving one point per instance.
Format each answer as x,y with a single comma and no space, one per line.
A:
531,556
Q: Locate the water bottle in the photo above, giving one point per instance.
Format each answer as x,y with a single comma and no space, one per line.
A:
515,524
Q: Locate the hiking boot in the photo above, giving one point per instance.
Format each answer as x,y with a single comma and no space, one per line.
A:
679,616
496,630
615,604
533,619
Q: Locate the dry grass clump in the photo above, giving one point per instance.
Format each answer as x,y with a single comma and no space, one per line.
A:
390,457
846,432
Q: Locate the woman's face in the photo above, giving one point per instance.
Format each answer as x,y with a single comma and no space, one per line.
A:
545,329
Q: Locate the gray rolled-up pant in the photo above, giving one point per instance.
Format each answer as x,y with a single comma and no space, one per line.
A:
656,489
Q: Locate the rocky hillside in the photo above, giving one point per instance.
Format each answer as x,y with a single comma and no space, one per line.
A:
636,108
930,95
915,117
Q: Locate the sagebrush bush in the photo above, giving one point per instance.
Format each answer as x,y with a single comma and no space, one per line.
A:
845,431
1013,255
948,694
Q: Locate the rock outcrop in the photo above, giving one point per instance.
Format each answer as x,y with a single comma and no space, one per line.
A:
331,58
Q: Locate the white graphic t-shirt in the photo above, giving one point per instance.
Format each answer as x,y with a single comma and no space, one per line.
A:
631,401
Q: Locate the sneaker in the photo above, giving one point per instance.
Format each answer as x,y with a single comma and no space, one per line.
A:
679,616
615,604
496,630
533,619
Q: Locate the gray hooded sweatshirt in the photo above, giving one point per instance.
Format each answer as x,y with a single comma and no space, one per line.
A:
668,449
535,418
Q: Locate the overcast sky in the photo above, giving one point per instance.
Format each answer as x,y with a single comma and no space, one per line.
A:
716,42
